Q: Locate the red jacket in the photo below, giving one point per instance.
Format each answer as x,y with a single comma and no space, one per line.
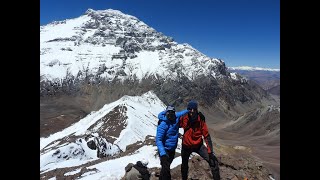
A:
193,132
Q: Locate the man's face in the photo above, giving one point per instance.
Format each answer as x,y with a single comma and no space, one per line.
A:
171,115
192,111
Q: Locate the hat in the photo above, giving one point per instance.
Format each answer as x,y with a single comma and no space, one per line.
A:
144,162
192,104
171,108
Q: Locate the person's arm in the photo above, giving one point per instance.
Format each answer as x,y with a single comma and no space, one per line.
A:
161,133
207,137
162,115
209,144
181,113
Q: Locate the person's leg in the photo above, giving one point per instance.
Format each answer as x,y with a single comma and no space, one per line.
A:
165,169
165,165
171,155
185,154
212,160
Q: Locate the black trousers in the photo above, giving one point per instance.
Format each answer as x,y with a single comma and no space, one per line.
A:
165,166
203,152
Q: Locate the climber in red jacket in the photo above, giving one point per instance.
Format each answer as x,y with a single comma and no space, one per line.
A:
195,128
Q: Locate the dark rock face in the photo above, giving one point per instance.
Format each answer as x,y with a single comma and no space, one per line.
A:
112,123
92,145
207,91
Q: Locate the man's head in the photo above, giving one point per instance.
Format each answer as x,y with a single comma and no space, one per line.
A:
171,113
171,108
192,104
193,110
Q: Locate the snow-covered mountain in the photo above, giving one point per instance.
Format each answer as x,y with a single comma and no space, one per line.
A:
105,133
109,44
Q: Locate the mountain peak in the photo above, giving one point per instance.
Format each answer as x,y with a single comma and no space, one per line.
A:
89,11
112,45
106,11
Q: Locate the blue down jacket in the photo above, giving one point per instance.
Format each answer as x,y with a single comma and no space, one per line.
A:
168,132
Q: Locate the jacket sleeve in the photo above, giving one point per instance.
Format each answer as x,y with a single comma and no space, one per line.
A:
161,133
209,144
207,137
162,115
181,113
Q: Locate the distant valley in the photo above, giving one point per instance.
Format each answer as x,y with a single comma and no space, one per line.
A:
268,79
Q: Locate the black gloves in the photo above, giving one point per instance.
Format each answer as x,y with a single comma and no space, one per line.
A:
211,156
164,158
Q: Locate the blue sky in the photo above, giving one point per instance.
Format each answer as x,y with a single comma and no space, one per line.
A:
240,32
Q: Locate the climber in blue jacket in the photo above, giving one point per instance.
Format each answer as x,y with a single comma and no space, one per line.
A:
167,138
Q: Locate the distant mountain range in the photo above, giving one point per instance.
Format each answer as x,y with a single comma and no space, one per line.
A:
267,78
249,68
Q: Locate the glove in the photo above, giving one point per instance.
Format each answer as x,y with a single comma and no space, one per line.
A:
164,158
211,156
214,158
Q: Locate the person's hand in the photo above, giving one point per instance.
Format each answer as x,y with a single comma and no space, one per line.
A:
212,156
164,158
